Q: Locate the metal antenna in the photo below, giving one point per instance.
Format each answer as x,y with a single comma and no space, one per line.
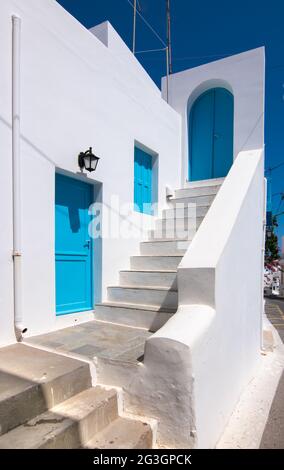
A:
136,3
134,25
169,40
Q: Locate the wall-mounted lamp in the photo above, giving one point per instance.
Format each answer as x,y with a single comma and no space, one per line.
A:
88,160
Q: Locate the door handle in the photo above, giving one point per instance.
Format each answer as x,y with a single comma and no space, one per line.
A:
87,244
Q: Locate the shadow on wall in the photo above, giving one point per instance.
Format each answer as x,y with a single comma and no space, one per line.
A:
205,86
27,141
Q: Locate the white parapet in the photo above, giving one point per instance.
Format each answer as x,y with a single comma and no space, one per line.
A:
198,363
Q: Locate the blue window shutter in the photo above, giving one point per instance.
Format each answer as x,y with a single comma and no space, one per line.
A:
147,183
142,181
137,180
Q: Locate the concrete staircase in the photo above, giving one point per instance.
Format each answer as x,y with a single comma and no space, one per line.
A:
147,296
47,402
67,411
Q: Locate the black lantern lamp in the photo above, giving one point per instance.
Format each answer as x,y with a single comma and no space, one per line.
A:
88,160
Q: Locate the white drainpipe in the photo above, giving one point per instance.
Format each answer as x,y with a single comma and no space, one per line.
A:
20,329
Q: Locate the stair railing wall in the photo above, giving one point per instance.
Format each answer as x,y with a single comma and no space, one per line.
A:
198,363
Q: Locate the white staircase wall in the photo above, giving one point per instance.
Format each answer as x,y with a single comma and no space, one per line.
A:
204,356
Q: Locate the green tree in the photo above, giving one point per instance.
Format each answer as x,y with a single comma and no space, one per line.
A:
271,243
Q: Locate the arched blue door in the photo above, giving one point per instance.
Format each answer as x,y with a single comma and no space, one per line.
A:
211,128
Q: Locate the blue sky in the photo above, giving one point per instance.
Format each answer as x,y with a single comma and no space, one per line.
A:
203,31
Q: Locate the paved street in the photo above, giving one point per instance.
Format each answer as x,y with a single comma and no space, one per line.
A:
273,436
275,312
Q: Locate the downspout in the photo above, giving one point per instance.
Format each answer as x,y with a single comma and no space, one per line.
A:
20,329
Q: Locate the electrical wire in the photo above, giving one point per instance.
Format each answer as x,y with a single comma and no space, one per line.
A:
280,202
274,167
180,58
150,50
148,24
202,57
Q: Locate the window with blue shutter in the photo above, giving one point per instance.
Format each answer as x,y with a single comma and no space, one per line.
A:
143,181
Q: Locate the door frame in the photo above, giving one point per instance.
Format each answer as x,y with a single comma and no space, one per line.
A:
96,245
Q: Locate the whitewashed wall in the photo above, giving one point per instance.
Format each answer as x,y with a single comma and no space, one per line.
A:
76,93
242,74
198,363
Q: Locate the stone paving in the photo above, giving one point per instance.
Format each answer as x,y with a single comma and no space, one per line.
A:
274,310
96,339
273,436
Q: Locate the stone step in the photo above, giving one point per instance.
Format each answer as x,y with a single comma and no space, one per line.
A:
33,380
69,425
140,316
166,247
123,433
200,183
185,211
157,263
161,236
181,228
198,200
148,278
145,295
98,339
197,191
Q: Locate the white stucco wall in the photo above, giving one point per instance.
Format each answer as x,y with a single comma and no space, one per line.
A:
225,357
243,75
75,92
215,335
198,363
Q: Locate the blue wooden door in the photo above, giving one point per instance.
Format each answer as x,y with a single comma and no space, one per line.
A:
142,181
211,135
73,246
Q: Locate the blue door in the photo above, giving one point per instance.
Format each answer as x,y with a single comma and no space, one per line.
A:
211,128
73,246
142,181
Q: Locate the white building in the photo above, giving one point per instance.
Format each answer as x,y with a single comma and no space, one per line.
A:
70,89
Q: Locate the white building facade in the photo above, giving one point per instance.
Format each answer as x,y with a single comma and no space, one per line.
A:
78,89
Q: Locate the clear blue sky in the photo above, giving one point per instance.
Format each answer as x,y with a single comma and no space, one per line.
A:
203,31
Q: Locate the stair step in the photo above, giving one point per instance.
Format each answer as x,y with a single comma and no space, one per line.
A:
160,236
158,263
197,191
200,183
198,200
144,295
149,317
29,387
179,228
165,247
148,278
68,425
185,211
123,433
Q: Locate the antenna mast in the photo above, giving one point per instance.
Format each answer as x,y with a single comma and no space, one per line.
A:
134,25
169,40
